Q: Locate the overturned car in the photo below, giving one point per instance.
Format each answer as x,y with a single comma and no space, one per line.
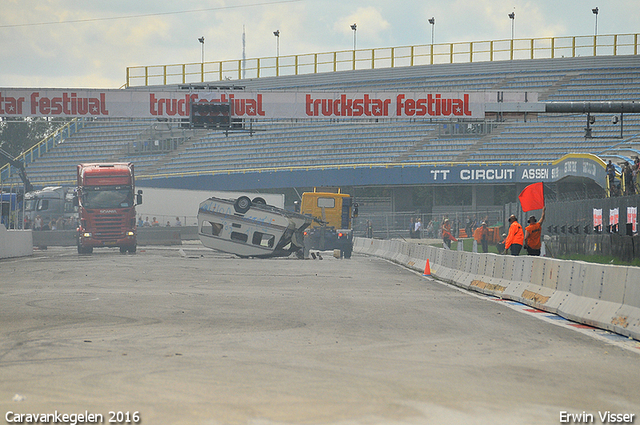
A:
251,228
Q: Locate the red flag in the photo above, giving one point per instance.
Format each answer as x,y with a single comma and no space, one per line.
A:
532,197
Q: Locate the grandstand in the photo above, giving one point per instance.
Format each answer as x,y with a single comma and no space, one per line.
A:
167,155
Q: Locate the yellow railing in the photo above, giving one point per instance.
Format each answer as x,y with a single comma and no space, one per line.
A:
42,147
386,57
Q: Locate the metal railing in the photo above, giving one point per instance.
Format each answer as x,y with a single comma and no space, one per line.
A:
385,57
39,149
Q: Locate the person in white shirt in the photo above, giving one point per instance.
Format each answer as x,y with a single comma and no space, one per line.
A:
418,228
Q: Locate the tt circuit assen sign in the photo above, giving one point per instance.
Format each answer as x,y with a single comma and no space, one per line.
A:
571,165
247,104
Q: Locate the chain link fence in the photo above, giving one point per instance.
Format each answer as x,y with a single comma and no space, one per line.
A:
389,225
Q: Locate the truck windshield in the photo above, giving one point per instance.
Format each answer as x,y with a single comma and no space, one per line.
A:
107,197
30,204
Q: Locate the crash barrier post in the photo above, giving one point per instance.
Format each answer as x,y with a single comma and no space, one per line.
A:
15,243
600,295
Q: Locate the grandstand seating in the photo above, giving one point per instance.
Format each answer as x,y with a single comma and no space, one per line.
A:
542,137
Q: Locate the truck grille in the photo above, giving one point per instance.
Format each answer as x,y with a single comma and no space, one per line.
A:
109,227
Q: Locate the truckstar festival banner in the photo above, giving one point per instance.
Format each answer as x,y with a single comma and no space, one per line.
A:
246,104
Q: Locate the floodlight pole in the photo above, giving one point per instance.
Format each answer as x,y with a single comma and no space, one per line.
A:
512,16
277,34
432,21
201,40
354,27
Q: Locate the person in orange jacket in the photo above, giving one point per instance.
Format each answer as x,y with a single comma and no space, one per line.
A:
515,238
481,235
532,233
447,236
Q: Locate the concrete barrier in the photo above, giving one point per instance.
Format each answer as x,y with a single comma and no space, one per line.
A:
15,243
600,295
159,236
45,238
146,236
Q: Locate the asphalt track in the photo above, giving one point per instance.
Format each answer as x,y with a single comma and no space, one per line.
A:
198,337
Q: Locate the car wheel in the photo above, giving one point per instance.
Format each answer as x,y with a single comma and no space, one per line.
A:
242,204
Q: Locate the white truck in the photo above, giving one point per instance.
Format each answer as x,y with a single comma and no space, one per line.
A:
50,203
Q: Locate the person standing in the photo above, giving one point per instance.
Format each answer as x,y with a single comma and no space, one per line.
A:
37,223
429,229
532,234
515,238
483,235
418,230
611,176
447,236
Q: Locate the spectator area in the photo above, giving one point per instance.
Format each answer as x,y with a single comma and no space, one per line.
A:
164,148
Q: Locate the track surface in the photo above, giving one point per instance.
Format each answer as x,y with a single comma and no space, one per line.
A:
207,338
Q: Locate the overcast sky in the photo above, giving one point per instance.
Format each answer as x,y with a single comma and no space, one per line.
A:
69,43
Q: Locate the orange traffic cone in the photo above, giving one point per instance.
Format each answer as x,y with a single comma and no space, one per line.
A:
427,269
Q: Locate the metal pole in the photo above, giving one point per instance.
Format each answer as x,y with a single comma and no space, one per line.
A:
512,16
354,27
432,21
386,222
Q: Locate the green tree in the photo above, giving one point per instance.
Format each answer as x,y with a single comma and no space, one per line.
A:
17,136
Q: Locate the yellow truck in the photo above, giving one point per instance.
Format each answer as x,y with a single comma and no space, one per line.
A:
332,227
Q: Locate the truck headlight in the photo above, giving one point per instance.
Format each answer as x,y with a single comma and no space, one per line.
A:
86,235
130,233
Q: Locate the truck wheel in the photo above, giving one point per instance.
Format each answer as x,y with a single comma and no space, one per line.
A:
132,249
258,201
123,250
242,204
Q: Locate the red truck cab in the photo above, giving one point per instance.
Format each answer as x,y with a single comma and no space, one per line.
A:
106,201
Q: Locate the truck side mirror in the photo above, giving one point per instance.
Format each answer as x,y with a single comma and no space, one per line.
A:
139,197
76,203
296,206
355,210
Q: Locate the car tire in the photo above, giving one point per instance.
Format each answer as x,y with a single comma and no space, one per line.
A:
242,204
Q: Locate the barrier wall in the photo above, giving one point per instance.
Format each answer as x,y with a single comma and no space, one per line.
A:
146,236
15,243
603,296
20,243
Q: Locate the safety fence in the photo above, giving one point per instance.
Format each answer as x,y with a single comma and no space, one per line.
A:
386,57
603,296
387,225
623,247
